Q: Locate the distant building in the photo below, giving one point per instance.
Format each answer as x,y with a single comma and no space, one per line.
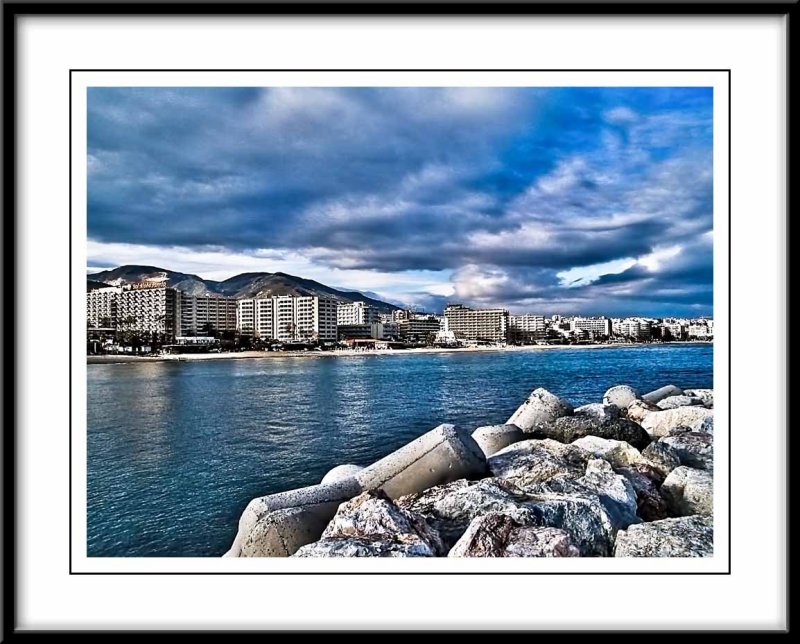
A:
205,314
101,307
699,332
634,328
149,307
357,313
595,327
288,318
419,327
527,328
490,325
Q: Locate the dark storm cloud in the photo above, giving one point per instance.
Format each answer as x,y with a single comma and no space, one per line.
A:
517,185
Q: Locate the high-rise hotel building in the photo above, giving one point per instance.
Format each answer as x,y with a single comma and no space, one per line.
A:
149,308
490,325
288,318
206,314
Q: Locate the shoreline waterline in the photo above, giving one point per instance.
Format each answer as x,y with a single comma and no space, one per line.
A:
345,353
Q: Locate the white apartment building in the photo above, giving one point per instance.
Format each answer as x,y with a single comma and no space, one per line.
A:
149,308
527,326
202,314
595,326
357,313
101,307
288,318
636,328
477,324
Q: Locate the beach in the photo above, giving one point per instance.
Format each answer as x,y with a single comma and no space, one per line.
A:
241,355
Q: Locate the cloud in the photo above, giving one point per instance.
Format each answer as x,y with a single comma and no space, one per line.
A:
507,196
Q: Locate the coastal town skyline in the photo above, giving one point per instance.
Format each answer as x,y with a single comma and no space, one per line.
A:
571,200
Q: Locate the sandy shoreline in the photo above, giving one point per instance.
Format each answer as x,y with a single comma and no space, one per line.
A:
241,355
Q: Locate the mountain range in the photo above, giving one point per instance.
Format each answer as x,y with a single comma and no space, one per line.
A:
245,285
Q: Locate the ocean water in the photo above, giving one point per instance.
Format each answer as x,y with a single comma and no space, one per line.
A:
176,450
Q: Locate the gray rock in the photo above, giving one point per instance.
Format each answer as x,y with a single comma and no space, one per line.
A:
371,525
540,407
621,396
283,533
695,449
450,508
498,535
570,428
615,493
598,412
444,454
580,514
659,423
659,394
706,395
638,410
689,491
650,504
618,453
493,438
691,536
704,425
357,547
341,472
661,457
535,461
673,402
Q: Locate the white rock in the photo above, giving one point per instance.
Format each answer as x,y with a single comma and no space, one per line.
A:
493,438
659,423
617,453
689,491
691,536
341,472
621,396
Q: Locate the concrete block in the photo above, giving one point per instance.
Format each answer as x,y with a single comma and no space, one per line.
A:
341,472
493,438
282,533
541,407
444,454
664,392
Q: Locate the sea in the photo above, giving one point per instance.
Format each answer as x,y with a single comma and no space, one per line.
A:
176,450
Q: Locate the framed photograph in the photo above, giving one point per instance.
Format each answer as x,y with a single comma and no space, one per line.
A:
316,309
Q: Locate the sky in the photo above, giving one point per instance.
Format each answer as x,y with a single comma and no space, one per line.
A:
590,201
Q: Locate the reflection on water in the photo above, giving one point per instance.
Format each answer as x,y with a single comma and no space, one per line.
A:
176,450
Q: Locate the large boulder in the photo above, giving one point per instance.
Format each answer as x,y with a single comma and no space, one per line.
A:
535,461
638,410
444,454
540,407
650,504
450,508
614,492
493,438
706,395
659,423
372,526
570,428
620,396
691,536
598,412
268,529
498,535
661,457
341,472
618,453
673,402
582,514
689,491
695,449
664,392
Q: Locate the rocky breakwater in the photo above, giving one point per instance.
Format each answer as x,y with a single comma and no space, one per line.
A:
631,476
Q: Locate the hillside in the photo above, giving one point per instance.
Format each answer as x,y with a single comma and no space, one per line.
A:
244,285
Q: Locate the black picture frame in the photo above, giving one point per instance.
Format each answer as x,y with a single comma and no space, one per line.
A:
13,10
